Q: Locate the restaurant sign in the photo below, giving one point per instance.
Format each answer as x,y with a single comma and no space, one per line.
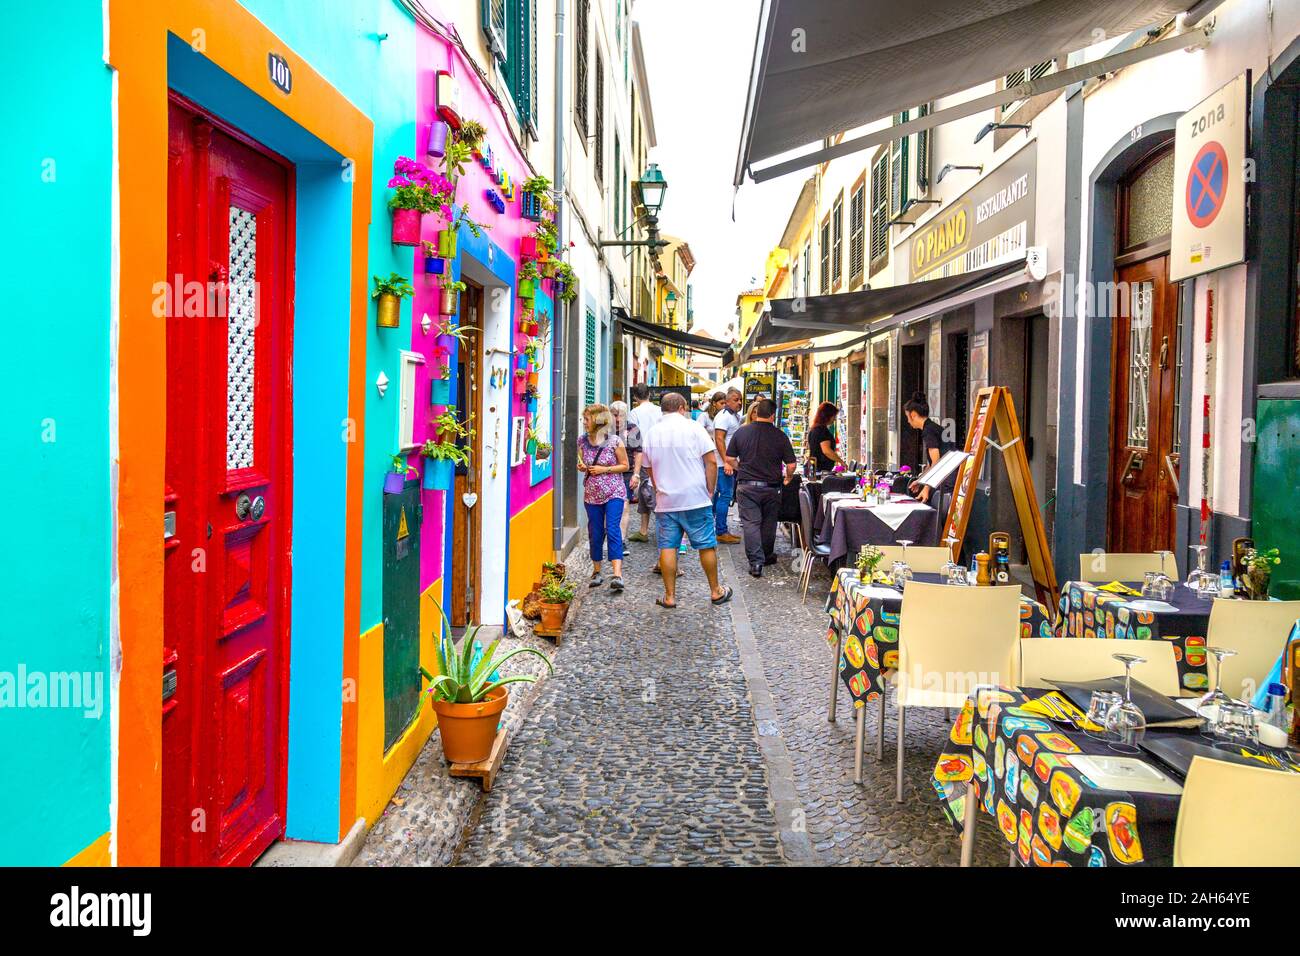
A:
989,222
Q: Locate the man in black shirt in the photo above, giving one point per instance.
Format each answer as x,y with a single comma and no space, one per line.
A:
933,446
766,462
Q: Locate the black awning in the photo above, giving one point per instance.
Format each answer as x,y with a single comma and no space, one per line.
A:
670,336
845,311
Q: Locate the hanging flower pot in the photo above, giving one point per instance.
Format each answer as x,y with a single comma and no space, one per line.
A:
389,315
521,384
447,243
468,730
543,451
406,227
532,446
532,405
438,474
438,133
434,265
528,247
560,286
527,289
449,302
440,391
394,482
548,267
532,378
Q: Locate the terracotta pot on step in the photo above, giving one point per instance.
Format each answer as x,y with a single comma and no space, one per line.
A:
469,729
553,615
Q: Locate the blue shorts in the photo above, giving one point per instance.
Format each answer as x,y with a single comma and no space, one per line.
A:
696,524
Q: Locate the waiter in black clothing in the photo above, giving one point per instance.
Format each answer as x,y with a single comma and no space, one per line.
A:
933,447
764,461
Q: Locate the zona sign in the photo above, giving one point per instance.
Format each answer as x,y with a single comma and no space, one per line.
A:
1207,184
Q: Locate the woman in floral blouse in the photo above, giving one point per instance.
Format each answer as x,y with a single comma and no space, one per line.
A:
602,457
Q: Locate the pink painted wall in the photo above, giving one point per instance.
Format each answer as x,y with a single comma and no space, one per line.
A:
435,53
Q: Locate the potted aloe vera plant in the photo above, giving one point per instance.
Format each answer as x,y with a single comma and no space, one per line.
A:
468,692
390,292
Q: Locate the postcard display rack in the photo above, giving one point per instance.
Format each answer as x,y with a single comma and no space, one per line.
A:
792,403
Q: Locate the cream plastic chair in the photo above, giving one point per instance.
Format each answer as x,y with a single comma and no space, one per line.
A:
1257,631
925,560
1235,815
957,638
1106,566
1084,659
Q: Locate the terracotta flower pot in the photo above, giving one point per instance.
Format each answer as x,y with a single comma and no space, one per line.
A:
390,311
553,615
406,227
469,729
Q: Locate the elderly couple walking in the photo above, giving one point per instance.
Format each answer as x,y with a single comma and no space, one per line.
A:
677,457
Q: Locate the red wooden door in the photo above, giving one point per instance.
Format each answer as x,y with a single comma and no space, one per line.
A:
225,690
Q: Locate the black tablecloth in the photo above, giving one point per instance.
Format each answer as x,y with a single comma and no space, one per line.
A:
854,527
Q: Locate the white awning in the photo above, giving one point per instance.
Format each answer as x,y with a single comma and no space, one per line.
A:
825,66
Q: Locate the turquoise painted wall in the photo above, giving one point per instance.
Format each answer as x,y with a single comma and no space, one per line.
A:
56,167
377,76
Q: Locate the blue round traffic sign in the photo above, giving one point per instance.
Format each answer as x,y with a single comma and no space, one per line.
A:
1207,184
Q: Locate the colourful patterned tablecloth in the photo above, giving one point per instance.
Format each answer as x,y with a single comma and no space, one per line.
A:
864,629
1047,811
1086,611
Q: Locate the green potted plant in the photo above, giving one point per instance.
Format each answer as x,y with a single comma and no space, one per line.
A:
528,280
449,298
543,451
434,264
1259,572
449,427
440,461
471,133
457,219
390,292
556,595
869,559
536,193
395,479
468,692
565,287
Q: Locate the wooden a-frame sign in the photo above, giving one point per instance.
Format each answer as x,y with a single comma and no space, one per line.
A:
994,409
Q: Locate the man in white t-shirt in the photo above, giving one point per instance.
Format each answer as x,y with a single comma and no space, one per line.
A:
679,456
725,424
645,414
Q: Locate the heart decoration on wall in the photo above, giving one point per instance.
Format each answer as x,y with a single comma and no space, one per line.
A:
470,499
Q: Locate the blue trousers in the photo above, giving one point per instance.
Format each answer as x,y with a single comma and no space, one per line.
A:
723,494
604,521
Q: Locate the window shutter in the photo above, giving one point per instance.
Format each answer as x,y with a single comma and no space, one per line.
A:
857,237
589,361
532,63
898,169
880,209
826,258
494,26
837,241
923,154
599,107
580,69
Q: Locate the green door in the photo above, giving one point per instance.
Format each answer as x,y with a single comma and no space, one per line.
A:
1275,520
402,516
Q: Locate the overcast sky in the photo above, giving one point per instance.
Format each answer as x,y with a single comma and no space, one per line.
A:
698,55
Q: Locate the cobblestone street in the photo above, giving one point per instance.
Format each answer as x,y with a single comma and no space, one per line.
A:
695,736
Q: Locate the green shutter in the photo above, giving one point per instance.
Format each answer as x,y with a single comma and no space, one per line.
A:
898,169
923,154
494,26
520,59
589,366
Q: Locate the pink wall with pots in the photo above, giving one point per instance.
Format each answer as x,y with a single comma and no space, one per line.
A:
435,53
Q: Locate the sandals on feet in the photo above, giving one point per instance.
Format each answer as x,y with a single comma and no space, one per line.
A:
724,597
662,603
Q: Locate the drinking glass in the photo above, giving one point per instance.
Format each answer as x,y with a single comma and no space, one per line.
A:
1194,579
1238,722
1100,705
1215,696
1162,588
952,570
906,568
1163,556
1125,722
1148,584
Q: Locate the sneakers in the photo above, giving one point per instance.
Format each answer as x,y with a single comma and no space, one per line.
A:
616,583
637,536
729,538
596,581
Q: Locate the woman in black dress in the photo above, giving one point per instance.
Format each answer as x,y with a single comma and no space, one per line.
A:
821,440
933,446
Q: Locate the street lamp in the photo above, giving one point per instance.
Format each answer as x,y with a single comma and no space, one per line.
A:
672,306
990,127
653,186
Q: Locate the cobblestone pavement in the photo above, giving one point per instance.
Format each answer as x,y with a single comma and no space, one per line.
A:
642,748
663,739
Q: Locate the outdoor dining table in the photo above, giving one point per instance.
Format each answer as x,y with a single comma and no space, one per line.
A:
848,523
863,631
827,484
1049,812
1088,611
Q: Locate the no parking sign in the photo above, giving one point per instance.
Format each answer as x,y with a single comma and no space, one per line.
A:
1209,222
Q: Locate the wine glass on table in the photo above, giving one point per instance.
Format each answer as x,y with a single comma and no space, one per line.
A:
1199,572
1126,725
902,571
953,572
1215,697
